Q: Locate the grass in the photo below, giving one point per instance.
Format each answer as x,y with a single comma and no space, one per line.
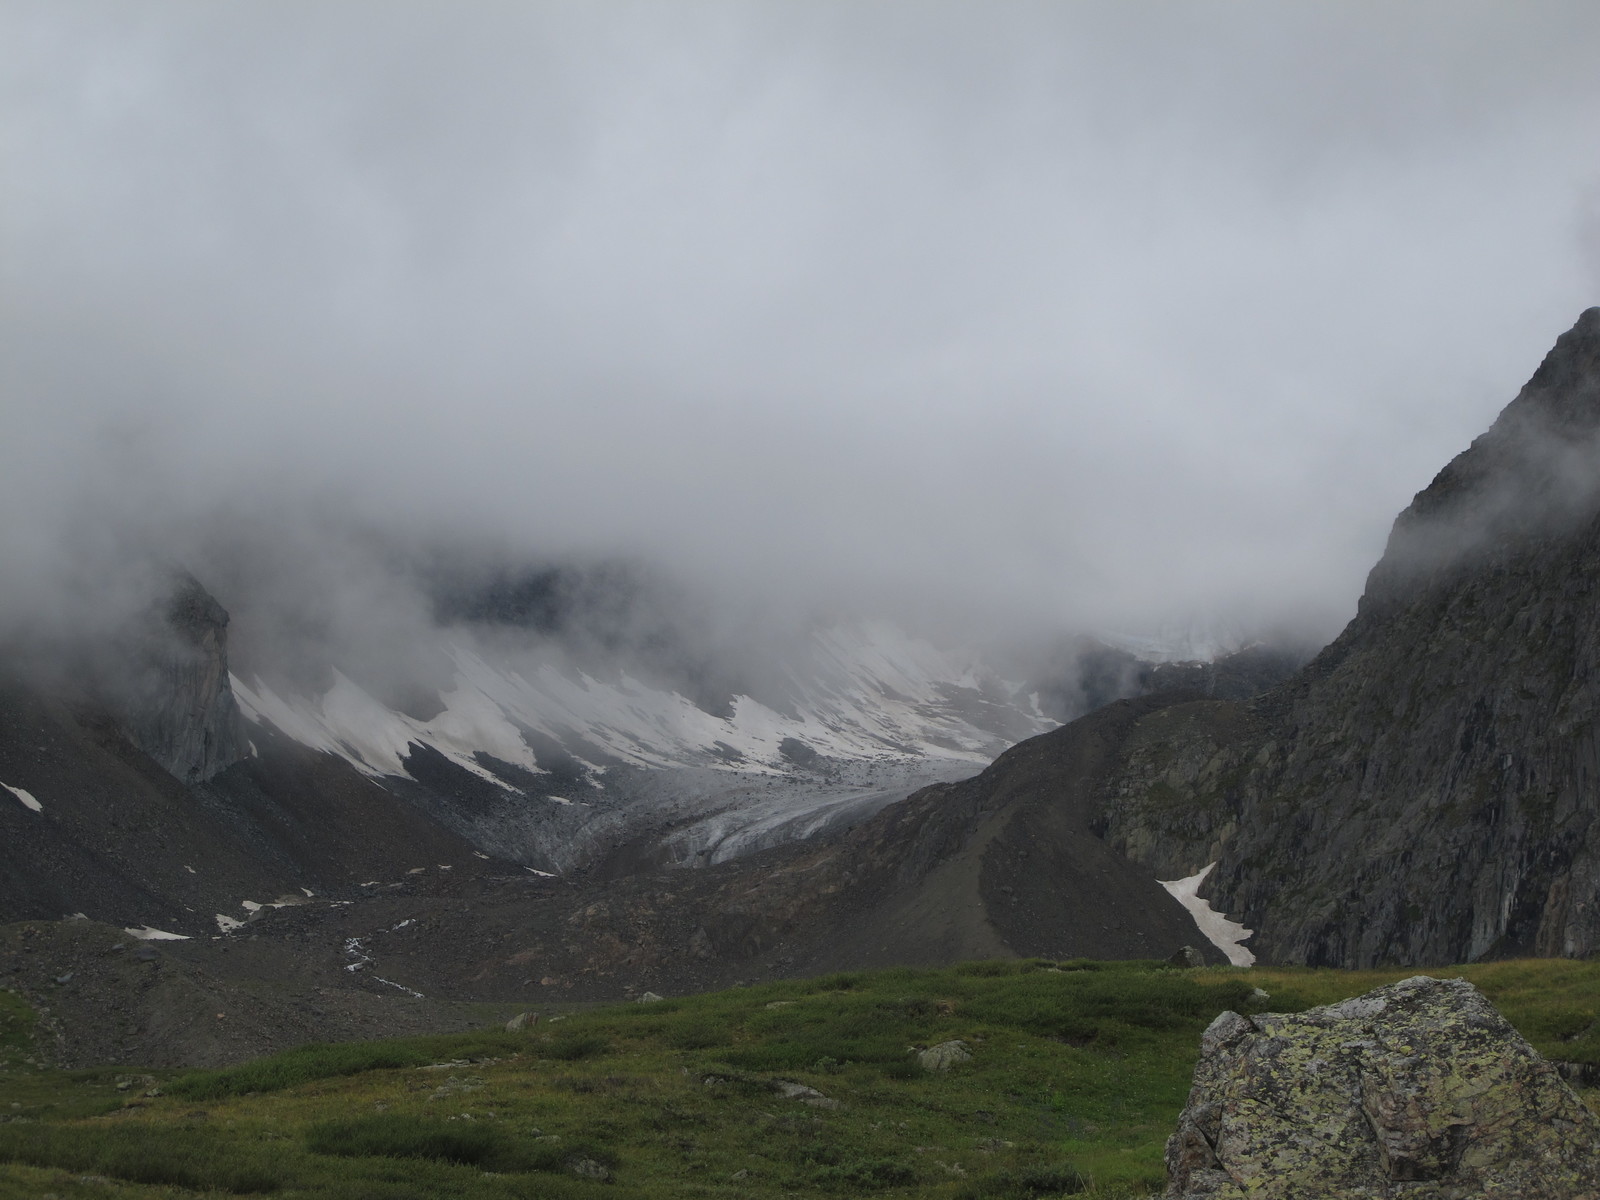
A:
17,1023
1078,1073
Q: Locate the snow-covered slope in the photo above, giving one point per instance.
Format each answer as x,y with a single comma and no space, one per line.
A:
865,713
869,693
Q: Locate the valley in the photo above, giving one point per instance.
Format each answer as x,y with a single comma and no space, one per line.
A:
1418,793
1069,1078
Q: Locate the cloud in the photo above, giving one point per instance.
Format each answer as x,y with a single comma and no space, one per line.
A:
1055,315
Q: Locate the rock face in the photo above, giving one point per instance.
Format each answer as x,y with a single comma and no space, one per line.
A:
1424,790
176,703
1418,1089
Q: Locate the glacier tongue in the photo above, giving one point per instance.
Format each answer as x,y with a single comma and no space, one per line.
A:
869,693
870,713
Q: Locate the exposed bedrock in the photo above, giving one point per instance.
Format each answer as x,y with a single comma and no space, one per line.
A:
1424,791
174,700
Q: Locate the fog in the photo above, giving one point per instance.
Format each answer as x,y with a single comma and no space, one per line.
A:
1001,317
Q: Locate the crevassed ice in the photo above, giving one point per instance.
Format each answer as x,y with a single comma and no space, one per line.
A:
878,692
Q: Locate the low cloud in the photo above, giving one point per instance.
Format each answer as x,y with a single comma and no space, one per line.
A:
996,317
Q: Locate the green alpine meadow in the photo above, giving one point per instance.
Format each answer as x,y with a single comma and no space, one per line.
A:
1000,1079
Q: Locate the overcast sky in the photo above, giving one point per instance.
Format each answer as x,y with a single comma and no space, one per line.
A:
1071,313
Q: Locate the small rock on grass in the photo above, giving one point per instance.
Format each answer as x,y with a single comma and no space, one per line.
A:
944,1056
806,1095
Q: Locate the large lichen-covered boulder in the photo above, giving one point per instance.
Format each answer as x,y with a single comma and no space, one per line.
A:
1418,1090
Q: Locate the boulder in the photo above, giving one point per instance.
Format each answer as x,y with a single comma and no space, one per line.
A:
588,1168
944,1056
790,1090
1418,1089
522,1021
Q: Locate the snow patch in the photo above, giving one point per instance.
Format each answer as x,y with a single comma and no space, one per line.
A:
355,949
26,797
227,924
1222,933
146,933
402,987
281,902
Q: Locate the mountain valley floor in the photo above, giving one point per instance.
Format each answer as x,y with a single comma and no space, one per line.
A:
1074,1076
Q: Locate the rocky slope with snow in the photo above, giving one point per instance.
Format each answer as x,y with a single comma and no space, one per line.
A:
550,764
157,786
1424,790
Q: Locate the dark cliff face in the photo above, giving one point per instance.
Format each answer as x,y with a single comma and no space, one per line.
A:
173,699
1425,790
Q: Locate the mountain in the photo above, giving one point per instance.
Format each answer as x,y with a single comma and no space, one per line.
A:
297,860
161,782
1424,791
568,720
1421,791
144,797
535,757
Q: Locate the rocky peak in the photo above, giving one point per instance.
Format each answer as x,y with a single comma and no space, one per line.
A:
176,703
1533,475
1423,790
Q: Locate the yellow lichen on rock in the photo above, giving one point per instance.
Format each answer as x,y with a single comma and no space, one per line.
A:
1417,1089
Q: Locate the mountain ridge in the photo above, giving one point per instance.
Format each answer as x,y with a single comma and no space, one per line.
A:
1422,791
1437,754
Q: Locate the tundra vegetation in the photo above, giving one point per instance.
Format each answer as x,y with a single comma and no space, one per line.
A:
1077,1074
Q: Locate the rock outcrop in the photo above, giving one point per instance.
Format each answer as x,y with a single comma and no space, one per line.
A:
1424,790
1419,1089
176,703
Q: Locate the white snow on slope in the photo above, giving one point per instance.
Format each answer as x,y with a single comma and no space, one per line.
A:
26,797
1224,934
146,933
867,692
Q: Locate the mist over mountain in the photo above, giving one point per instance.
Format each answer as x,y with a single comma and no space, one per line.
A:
990,320
645,498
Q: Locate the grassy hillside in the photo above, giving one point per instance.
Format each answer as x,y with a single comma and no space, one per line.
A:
1077,1075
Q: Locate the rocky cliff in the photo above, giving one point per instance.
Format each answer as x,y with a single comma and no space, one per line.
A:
174,701
1424,791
